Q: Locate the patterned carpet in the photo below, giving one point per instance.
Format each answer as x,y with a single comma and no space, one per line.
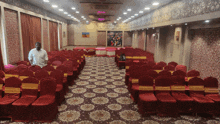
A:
101,97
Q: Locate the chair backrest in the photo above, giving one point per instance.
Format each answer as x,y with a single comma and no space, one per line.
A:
41,74
48,86
1,86
158,67
56,63
48,68
22,67
12,86
26,74
23,62
63,68
60,58
181,67
152,73
68,64
58,75
179,73
2,74
193,73
169,68
165,73
211,85
196,86
162,84
34,68
173,64
161,63
30,86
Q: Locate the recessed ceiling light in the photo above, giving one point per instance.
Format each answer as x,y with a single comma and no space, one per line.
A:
69,15
82,16
171,25
117,19
60,9
54,6
207,21
72,17
155,3
65,13
185,23
114,21
140,11
129,10
73,8
136,14
129,18
147,8
46,1
132,16
124,13
77,11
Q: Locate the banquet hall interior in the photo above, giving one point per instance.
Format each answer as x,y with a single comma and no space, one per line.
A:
110,62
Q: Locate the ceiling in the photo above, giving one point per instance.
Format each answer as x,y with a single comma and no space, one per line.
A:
88,8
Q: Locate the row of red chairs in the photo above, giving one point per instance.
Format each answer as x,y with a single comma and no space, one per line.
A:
61,73
138,74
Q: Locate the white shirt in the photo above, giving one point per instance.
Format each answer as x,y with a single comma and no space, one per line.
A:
38,57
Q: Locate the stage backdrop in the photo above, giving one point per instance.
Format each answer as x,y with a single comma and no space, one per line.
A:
114,38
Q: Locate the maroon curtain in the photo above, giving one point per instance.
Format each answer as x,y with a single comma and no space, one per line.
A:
53,36
60,32
31,32
1,60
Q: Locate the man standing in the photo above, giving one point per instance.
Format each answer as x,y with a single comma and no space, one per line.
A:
38,56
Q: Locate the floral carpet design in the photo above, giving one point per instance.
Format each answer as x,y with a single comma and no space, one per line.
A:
100,96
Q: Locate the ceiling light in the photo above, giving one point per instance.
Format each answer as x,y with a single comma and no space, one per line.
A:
147,8
129,10
65,13
129,18
117,19
136,14
124,13
155,3
114,21
171,25
153,27
140,11
207,21
73,8
46,1
69,15
185,23
82,16
77,11
54,6
60,9
72,17
132,16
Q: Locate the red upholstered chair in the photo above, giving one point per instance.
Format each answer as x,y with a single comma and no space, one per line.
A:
151,63
45,109
173,64
60,58
192,73
34,68
11,73
179,73
1,86
60,92
147,102
21,107
22,67
64,69
165,73
203,104
169,68
133,78
49,69
71,69
23,62
184,102
152,73
56,63
182,68
41,74
2,74
212,92
26,74
158,68
161,63
166,103
12,93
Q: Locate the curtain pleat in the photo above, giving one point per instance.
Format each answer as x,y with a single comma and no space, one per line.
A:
60,33
53,36
1,61
31,32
